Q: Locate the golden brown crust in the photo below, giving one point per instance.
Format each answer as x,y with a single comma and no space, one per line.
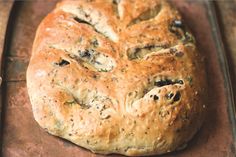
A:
117,76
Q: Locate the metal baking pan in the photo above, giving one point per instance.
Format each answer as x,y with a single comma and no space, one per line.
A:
21,136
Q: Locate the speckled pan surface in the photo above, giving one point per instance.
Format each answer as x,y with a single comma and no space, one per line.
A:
23,136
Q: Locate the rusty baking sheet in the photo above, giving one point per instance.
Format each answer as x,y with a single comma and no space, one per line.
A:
22,136
5,10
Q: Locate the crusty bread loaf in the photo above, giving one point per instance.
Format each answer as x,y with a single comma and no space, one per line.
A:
117,76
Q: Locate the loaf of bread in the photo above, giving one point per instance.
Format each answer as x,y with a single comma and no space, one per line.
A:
117,76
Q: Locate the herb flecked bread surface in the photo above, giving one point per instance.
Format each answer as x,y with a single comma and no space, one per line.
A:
117,76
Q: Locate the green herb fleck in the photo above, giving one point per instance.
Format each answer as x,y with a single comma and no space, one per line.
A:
94,42
79,40
70,102
103,70
190,80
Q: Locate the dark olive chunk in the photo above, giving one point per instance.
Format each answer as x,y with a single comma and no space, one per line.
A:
169,95
167,82
163,83
177,23
155,97
63,63
85,54
177,27
180,81
177,96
